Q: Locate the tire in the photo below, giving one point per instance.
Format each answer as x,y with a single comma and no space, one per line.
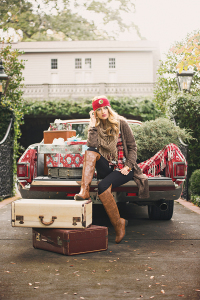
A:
155,213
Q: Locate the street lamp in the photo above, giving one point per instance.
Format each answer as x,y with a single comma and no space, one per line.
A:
184,80
3,76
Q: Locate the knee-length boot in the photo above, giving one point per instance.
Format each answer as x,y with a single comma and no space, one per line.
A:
89,163
112,211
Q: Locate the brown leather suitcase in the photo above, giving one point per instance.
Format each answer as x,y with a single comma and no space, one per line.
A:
71,241
50,135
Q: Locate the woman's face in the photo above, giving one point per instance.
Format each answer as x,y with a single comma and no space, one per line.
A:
102,113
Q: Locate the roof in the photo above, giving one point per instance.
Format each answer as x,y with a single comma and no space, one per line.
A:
85,46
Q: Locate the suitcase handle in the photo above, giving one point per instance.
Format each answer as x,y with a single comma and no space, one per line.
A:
47,223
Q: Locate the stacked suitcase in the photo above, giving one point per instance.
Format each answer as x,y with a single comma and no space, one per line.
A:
62,226
68,230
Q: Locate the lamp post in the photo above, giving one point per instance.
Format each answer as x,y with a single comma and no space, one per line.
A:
3,76
184,80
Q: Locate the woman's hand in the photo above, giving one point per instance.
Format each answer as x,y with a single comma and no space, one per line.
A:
92,118
125,170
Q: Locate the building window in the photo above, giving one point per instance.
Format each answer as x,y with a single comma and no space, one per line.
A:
111,63
78,63
54,63
88,63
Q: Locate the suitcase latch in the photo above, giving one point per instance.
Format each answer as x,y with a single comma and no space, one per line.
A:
59,241
75,220
37,236
20,219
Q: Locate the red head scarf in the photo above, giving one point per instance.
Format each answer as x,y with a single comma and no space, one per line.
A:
100,102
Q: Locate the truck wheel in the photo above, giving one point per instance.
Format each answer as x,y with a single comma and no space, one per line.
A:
155,213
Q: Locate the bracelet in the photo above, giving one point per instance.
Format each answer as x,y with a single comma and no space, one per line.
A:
129,169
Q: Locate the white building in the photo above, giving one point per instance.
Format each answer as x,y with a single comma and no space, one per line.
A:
83,68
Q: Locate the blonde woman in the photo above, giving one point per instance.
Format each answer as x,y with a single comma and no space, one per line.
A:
113,151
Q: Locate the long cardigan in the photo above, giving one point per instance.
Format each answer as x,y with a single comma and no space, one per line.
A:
130,152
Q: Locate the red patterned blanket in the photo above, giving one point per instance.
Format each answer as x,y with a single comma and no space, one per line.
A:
156,164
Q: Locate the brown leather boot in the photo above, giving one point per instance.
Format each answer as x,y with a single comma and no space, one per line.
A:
89,163
112,211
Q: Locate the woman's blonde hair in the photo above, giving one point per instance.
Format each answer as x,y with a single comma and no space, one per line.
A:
112,121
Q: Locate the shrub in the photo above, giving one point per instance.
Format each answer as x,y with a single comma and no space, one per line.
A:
185,109
195,199
153,135
13,100
195,183
5,116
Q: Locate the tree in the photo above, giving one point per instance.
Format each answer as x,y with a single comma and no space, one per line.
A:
67,25
181,55
189,52
19,16
35,17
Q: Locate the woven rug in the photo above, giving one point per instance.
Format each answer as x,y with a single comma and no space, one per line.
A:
156,164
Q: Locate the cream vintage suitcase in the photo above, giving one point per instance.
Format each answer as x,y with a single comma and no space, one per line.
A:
48,213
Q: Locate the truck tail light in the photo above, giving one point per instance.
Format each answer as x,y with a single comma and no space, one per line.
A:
179,170
70,195
23,170
131,194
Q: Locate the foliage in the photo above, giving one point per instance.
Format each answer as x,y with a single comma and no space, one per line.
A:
65,18
153,135
19,16
185,109
13,101
5,116
68,25
195,199
140,108
195,183
176,58
189,52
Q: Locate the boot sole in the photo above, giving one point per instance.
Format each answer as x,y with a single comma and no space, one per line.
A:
77,197
126,224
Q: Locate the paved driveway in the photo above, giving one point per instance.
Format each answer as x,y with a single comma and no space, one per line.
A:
156,260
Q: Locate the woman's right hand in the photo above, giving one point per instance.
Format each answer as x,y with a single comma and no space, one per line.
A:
92,118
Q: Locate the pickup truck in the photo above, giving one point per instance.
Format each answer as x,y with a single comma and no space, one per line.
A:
164,188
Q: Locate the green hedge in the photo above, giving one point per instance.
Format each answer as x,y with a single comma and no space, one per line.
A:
5,117
13,67
185,109
195,183
141,108
195,199
194,187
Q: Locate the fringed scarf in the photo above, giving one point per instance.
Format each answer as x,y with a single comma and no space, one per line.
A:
108,144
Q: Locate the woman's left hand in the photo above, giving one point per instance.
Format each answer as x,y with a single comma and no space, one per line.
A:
125,170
